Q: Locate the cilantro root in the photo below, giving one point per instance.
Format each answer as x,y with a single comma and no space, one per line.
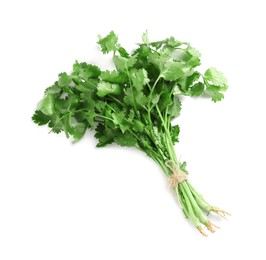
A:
134,106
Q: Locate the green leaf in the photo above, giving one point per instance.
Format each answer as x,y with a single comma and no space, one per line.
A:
40,118
122,64
197,89
86,71
79,131
46,105
123,52
108,43
54,89
90,115
165,100
215,84
215,77
120,120
139,78
113,77
138,126
175,133
155,99
56,124
194,60
106,88
142,53
74,128
104,135
186,82
172,42
183,167
125,139
159,59
174,70
88,86
215,95
176,107
133,96
145,37
64,80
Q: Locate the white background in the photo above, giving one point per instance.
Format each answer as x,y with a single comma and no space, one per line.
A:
64,201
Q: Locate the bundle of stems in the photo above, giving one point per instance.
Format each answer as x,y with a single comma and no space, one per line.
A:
134,105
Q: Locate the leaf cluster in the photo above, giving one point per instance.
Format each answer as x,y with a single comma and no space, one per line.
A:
134,104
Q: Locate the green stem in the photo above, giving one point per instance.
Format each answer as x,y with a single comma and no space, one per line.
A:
190,212
118,101
199,199
133,95
105,117
168,138
198,212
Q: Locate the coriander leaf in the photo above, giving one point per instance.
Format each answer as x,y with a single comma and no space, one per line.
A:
158,137
138,126
123,52
56,124
159,59
108,43
175,107
85,71
174,70
141,99
46,105
215,84
104,135
215,77
120,120
172,42
145,37
215,95
89,86
64,80
89,116
197,89
165,100
175,133
139,78
157,45
54,89
125,139
40,118
132,96
113,77
122,64
76,129
155,99
183,167
194,60
186,82
142,53
106,88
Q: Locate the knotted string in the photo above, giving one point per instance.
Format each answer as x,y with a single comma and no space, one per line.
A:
177,176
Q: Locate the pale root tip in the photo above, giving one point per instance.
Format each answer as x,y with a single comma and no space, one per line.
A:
211,227
202,231
220,212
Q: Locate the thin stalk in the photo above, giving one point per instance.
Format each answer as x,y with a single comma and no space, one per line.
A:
168,139
149,103
190,212
134,99
118,101
203,219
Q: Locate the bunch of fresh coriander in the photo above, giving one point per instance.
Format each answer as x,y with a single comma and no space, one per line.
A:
134,105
